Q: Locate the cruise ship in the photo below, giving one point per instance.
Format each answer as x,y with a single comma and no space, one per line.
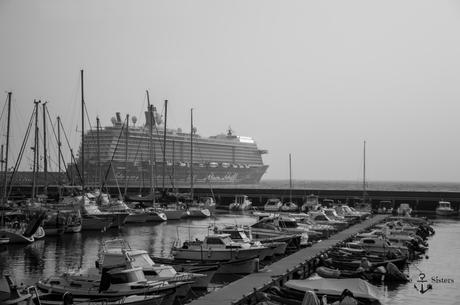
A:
136,156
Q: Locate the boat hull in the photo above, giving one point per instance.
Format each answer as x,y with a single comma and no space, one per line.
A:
198,213
15,238
95,224
215,255
446,212
137,218
175,214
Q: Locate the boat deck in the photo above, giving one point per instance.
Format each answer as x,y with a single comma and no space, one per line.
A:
239,291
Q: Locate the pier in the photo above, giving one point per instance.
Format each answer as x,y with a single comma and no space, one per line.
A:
298,265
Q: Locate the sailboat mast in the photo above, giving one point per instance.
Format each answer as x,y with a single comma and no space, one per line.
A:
191,154
45,158
150,118
82,133
173,171
4,197
126,153
364,173
98,151
290,180
164,145
59,143
35,166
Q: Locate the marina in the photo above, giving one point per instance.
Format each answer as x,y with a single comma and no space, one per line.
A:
229,152
54,255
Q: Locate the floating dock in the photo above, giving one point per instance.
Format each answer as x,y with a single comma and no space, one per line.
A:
298,265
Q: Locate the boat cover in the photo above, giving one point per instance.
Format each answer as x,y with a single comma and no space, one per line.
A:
359,287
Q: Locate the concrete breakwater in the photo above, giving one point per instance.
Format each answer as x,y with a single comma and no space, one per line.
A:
298,265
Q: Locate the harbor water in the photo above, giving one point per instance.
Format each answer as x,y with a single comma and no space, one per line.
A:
55,255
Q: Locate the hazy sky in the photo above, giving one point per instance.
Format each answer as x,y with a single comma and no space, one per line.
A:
311,78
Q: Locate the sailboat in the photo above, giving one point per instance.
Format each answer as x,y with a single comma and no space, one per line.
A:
195,209
290,206
92,217
14,228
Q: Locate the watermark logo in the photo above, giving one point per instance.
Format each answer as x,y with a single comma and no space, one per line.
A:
422,285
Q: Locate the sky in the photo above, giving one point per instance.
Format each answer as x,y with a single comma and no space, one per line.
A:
310,78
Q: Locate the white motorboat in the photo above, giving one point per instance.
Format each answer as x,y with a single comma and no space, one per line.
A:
445,209
217,247
378,245
311,203
404,209
238,234
115,252
273,205
280,224
385,207
241,203
289,207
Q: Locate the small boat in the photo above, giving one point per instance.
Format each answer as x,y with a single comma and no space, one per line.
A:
289,207
273,205
218,247
21,232
241,203
311,203
115,252
238,234
155,215
389,273
54,224
208,203
198,212
333,288
11,294
320,217
445,209
385,207
404,209
280,224
112,284
379,245
174,211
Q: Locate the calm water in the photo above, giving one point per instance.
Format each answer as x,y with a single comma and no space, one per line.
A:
71,251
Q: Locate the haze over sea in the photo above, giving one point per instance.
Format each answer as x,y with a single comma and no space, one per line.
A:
358,185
